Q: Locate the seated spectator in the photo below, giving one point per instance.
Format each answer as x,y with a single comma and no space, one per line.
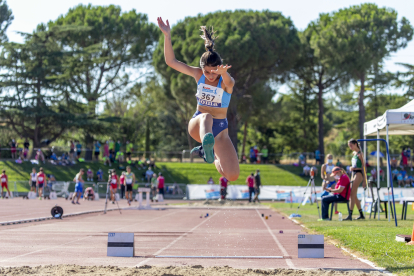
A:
39,156
393,162
302,160
99,175
394,172
400,180
89,194
119,157
407,180
89,175
338,163
306,170
374,173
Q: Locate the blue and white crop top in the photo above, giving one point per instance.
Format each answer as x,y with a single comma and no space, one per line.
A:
208,95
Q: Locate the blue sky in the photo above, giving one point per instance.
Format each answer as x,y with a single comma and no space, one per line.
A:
29,13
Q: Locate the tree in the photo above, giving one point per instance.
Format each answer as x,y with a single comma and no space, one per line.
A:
114,42
406,79
32,104
358,38
316,73
6,17
259,46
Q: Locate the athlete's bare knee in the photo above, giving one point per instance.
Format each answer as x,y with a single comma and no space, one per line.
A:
233,175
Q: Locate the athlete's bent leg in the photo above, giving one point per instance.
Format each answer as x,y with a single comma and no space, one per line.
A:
226,162
200,125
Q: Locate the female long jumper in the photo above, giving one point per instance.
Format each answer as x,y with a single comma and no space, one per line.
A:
214,88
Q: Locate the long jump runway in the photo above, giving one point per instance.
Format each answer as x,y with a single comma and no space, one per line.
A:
173,236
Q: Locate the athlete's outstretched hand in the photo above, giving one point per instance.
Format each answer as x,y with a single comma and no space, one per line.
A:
221,69
165,28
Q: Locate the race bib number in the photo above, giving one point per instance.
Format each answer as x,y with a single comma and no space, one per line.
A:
209,95
354,162
129,181
113,181
40,179
3,180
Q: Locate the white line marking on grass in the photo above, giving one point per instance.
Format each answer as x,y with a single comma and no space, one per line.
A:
177,239
288,261
60,245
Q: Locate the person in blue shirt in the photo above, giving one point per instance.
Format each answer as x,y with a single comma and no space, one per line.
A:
317,157
99,174
97,146
253,157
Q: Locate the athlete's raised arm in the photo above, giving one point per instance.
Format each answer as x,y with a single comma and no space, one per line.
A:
170,59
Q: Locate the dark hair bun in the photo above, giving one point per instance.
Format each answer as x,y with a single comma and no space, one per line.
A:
208,37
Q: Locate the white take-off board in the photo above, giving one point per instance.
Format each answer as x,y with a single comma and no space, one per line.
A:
310,246
120,245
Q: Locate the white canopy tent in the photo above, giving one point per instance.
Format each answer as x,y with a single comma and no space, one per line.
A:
394,122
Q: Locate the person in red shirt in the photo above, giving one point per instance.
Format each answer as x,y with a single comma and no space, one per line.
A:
122,182
250,184
160,180
341,192
223,187
114,185
4,183
41,181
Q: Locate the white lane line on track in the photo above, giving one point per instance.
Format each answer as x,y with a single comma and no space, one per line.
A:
284,252
156,218
60,245
177,239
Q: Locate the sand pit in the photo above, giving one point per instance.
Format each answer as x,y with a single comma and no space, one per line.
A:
170,271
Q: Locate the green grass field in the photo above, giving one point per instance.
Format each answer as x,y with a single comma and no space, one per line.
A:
371,239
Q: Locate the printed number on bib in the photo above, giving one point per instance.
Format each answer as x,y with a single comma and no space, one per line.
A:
40,179
354,162
3,180
113,181
209,95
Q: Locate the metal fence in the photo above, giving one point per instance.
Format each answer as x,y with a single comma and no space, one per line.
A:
64,188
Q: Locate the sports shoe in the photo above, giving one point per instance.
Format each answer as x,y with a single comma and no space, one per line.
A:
348,218
360,217
73,202
198,151
208,146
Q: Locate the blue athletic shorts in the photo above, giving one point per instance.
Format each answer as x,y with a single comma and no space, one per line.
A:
218,124
78,188
325,193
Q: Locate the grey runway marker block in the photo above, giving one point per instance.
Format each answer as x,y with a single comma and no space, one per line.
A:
120,245
311,246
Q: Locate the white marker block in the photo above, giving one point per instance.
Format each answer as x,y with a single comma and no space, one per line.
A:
120,245
310,246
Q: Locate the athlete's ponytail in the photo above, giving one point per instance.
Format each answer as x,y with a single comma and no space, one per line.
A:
210,58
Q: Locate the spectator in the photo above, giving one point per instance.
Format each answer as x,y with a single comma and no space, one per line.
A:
250,185
39,156
13,146
306,170
78,187
78,149
122,182
257,184
154,186
407,180
253,157
129,149
112,147
26,146
114,180
341,192
328,179
317,157
244,159
265,154
403,172
4,183
382,174
315,169
99,174
160,180
106,156
210,181
256,153
117,146
32,181
393,162
338,163
120,157
395,173
302,158
89,174
148,175
374,173
404,160
223,187
400,180
97,146
72,150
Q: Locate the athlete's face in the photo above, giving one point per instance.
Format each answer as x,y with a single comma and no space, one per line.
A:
351,146
129,170
209,75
